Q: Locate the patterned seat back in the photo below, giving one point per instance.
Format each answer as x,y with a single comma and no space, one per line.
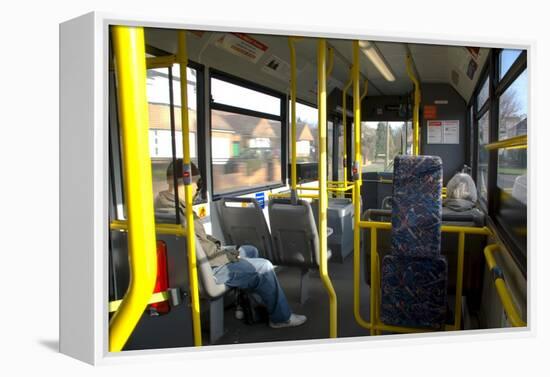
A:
414,275
416,210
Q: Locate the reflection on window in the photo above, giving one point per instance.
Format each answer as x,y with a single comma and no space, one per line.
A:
160,136
306,134
512,173
226,93
506,59
382,141
512,119
483,95
246,152
483,155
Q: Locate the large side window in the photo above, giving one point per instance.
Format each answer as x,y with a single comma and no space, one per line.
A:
307,136
511,178
483,156
246,136
165,130
512,121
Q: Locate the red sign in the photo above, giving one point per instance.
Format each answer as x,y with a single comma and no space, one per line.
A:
254,42
430,112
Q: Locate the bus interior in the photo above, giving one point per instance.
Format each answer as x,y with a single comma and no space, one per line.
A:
314,150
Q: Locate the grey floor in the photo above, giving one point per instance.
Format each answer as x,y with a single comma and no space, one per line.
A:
316,308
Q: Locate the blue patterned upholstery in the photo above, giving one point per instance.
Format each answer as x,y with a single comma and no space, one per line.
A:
414,275
416,210
414,291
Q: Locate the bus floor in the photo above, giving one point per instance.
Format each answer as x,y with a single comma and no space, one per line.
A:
316,308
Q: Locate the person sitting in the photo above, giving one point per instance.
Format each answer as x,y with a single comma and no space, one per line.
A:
236,268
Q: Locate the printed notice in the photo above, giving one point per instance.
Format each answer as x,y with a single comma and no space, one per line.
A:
435,134
277,67
443,132
450,132
242,45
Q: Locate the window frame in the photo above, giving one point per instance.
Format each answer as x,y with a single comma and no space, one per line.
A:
516,69
478,113
497,87
282,118
116,173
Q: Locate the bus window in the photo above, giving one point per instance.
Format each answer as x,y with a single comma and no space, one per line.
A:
160,132
512,121
483,95
246,138
483,155
226,93
306,134
506,59
381,142
341,153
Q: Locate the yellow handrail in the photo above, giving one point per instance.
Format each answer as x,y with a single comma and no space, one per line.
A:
156,297
164,61
189,220
416,110
502,289
375,326
333,189
287,195
357,182
323,196
344,123
293,174
129,51
515,142
160,228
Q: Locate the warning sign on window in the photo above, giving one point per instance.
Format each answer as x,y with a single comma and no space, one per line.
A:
242,45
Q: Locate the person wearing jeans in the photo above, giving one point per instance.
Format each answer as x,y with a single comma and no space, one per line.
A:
257,275
236,268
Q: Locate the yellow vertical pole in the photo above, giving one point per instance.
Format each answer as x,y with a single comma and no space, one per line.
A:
189,220
323,198
459,280
373,279
357,182
344,124
416,109
293,178
129,50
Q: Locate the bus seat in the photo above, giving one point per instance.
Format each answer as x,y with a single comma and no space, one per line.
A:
244,224
209,290
414,274
295,237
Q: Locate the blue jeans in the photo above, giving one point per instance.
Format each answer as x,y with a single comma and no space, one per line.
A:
255,274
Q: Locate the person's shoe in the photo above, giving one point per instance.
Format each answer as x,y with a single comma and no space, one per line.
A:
293,321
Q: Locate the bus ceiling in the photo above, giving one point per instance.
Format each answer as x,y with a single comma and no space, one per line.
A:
265,59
